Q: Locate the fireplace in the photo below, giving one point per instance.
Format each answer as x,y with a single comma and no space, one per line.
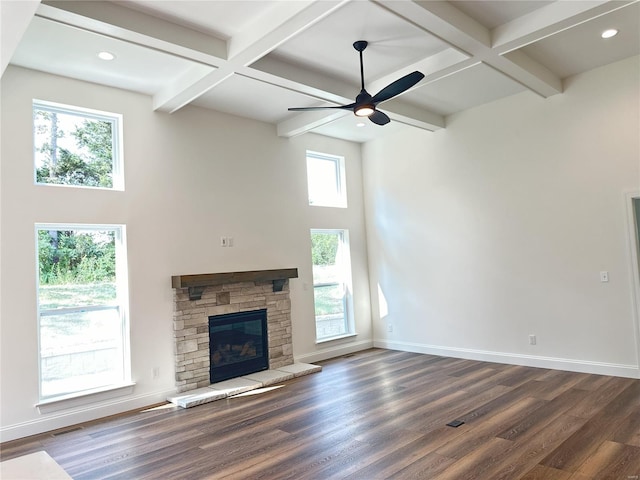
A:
238,344
232,320
197,298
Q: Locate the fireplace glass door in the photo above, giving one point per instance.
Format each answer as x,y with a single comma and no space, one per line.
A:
238,344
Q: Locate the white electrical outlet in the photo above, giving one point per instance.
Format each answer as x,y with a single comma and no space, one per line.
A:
532,340
604,276
156,372
390,328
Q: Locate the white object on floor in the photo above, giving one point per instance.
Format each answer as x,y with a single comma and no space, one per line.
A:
34,466
235,386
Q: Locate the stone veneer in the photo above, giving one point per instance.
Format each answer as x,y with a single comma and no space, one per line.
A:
191,325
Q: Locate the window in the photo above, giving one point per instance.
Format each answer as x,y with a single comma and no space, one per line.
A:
82,299
331,280
326,180
75,146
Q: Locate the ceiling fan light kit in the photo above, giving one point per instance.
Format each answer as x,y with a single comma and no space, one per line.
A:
364,111
365,104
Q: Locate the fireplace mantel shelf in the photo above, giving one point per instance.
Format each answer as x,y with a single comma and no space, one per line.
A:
197,283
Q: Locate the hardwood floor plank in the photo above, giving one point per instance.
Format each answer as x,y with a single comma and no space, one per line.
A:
555,383
591,382
540,472
435,414
386,448
373,415
483,431
481,381
629,431
503,401
591,404
531,448
475,464
393,463
577,448
603,456
542,416
291,457
517,375
627,466
616,461
426,466
578,476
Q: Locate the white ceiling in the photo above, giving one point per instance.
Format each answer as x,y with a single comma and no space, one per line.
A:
257,58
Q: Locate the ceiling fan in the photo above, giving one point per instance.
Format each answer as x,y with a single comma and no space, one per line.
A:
365,104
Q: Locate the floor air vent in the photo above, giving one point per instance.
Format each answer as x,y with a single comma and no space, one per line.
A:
63,432
455,423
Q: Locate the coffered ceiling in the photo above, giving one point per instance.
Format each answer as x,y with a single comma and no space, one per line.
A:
257,58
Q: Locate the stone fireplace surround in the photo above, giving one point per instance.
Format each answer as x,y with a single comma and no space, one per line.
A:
197,297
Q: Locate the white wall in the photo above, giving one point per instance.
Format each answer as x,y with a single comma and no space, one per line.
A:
191,177
497,227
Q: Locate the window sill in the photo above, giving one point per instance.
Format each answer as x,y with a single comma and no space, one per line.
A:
339,337
326,205
72,400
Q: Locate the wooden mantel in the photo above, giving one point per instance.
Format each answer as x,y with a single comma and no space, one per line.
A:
197,283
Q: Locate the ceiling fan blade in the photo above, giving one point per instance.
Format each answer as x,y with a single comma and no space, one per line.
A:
397,87
379,118
308,109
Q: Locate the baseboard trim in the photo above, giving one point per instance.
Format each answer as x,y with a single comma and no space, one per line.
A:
334,351
87,413
571,365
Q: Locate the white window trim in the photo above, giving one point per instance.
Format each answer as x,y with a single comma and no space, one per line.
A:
63,402
122,294
337,337
117,146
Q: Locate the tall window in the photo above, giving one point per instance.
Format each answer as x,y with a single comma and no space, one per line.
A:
331,281
76,146
326,180
82,299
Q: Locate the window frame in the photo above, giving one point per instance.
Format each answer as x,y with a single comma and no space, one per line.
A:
340,199
121,305
346,277
117,171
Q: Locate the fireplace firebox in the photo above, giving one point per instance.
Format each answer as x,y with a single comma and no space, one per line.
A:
238,344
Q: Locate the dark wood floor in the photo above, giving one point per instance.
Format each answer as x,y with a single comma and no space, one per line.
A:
375,415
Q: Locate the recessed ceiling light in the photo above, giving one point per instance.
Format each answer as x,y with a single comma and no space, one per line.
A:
106,55
360,124
612,32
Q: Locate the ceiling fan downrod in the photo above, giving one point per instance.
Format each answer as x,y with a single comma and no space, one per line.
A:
360,45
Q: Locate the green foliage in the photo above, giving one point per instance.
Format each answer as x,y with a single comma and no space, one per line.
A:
90,163
329,300
72,257
324,248
71,169
72,295
96,137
